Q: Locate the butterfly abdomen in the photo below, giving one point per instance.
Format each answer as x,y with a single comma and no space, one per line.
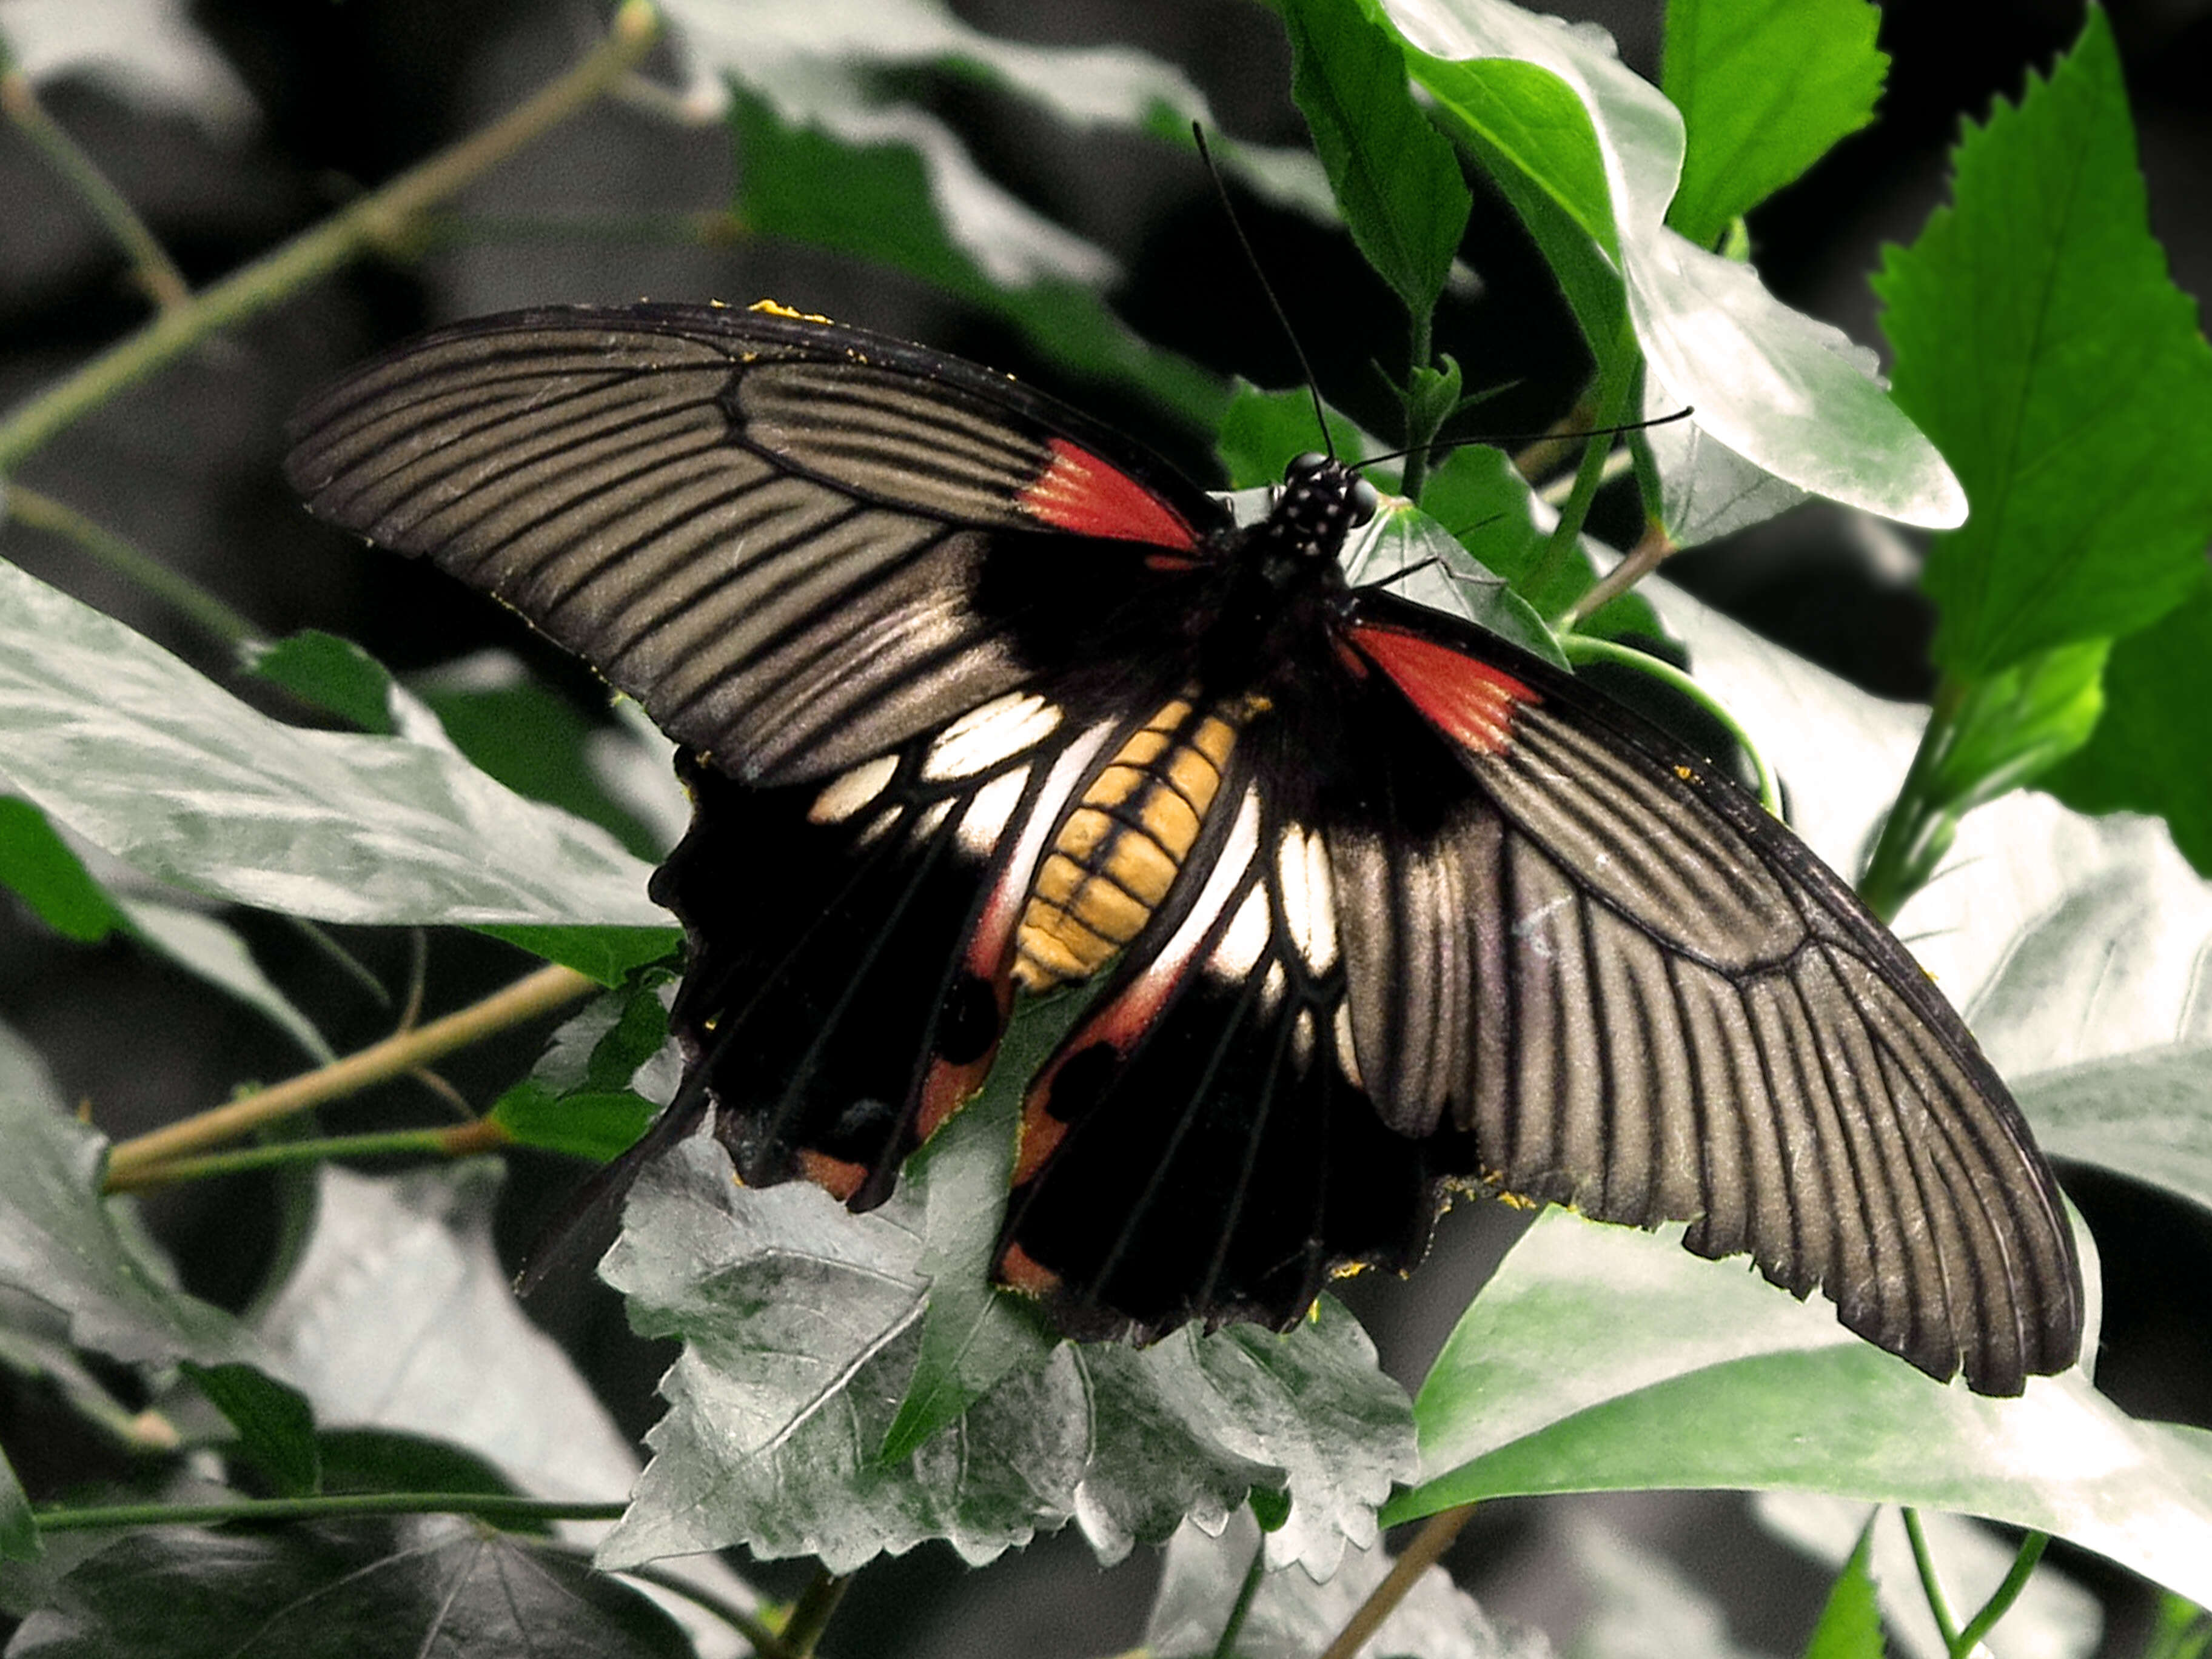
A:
1113,862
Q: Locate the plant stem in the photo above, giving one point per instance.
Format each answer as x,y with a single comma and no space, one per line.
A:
40,511
1434,1538
1620,376
381,219
537,993
1641,560
2001,1599
1931,1586
1416,472
810,1613
488,1506
149,261
1226,1647
457,1141
766,1643
1918,830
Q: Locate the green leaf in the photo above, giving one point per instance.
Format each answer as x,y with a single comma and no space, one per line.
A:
973,1335
19,1532
1851,1623
150,761
2152,752
329,673
609,954
1766,87
212,951
874,201
36,865
1475,493
2146,1114
399,1318
61,1243
802,1324
1293,1617
2006,730
335,1590
1601,1359
601,1080
531,740
386,1460
1262,432
2040,342
276,1424
1589,154
1396,177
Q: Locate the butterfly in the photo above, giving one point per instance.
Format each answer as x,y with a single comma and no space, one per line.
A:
977,701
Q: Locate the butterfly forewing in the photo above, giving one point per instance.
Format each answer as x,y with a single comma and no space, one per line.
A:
980,700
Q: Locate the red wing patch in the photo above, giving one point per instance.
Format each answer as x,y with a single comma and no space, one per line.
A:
1080,493
1462,696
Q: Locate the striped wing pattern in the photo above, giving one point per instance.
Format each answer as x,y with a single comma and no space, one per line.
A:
770,531
1651,1003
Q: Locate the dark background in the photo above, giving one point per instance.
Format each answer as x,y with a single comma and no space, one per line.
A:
186,467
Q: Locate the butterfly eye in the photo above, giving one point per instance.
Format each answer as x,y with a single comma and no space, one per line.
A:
1361,503
1313,460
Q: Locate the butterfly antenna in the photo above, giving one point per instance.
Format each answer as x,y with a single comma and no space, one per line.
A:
1445,445
1251,258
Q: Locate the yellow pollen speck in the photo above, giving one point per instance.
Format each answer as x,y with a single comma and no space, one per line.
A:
775,308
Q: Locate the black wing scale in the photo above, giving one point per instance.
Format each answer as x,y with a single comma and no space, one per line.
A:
969,686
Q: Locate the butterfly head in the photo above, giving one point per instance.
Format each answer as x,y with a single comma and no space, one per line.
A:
1322,501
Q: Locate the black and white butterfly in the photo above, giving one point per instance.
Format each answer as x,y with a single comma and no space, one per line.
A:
976,699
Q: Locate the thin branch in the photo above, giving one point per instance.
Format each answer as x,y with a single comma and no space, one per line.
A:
1931,1586
379,219
461,1140
540,992
156,273
1225,1646
810,1613
1434,1538
490,1506
2001,1599
1641,560
35,511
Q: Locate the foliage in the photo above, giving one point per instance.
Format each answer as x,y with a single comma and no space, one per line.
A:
850,1386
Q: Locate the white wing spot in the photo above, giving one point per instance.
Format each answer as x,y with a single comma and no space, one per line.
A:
851,791
988,734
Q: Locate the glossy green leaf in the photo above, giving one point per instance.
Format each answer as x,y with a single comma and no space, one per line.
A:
2146,1114
275,1423
1788,394
874,201
1850,1621
148,761
802,1324
534,742
61,1242
608,955
1424,563
1395,177
1261,432
38,866
1601,1358
1476,494
1765,89
419,1584
2152,752
2041,342
329,673
2006,730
